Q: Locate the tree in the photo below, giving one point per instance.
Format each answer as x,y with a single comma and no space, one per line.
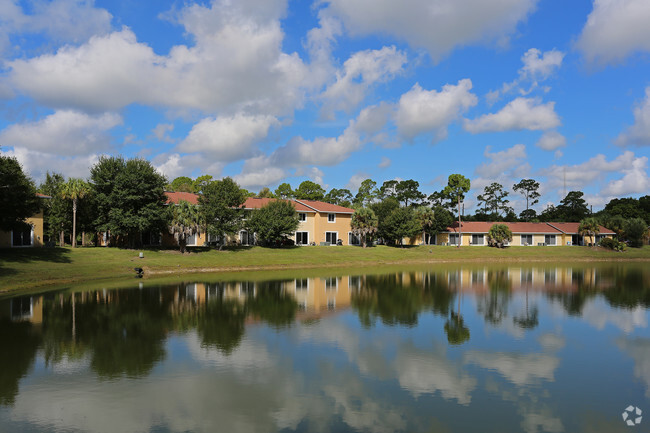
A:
457,186
186,221
341,197
407,191
130,198
573,207
457,332
635,230
201,182
528,214
265,193
18,199
222,207
616,224
182,184
589,226
400,224
274,222
498,235
366,194
426,218
628,208
56,209
443,219
388,189
75,189
284,191
364,222
383,209
309,190
494,199
439,199
528,188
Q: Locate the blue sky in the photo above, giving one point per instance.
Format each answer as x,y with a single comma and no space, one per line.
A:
335,91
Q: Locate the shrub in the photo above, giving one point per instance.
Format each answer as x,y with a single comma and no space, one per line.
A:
498,235
612,244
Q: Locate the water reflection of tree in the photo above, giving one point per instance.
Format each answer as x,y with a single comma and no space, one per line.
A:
529,320
582,289
19,343
631,287
398,299
272,304
494,304
220,324
123,336
457,332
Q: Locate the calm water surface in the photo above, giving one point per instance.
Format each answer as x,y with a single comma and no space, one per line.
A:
530,349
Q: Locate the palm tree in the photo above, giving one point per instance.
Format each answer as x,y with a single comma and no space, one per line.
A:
364,222
589,226
74,189
426,218
186,221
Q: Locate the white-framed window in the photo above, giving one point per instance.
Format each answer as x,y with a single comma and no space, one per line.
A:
302,284
331,237
477,240
191,240
354,282
302,216
549,239
429,240
331,283
353,239
247,288
331,217
526,239
302,238
23,238
245,238
453,238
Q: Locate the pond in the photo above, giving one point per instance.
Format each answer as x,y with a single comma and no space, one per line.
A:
447,349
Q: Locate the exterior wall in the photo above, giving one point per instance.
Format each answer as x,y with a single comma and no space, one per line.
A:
36,222
308,226
341,226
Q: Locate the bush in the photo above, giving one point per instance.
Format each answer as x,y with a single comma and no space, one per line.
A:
612,244
498,235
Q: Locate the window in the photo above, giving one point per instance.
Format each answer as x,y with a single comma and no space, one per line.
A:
302,238
453,238
353,239
477,239
191,240
245,238
354,282
549,239
331,217
331,283
23,237
600,238
331,237
302,216
302,284
429,240
526,239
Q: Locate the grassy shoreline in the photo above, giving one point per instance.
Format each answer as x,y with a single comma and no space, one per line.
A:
24,270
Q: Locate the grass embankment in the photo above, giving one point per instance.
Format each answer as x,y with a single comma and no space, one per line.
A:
24,269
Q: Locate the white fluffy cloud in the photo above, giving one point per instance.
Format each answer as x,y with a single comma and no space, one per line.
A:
436,26
37,164
63,20
509,161
615,29
537,67
227,138
634,170
174,165
551,140
639,133
360,71
521,113
113,71
64,133
422,111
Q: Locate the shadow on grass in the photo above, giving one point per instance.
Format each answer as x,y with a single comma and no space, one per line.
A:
28,255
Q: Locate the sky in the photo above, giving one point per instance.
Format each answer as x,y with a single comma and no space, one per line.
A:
335,91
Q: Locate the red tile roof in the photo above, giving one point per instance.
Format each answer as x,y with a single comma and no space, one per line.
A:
177,197
572,228
484,227
523,227
257,203
39,195
321,206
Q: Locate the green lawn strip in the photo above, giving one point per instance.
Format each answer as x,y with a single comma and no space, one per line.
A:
24,269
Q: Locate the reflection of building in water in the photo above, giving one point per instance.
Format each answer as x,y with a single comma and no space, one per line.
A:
23,309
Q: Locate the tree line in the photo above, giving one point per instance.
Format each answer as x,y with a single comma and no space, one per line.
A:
126,198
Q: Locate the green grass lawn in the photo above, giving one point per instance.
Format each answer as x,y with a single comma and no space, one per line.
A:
25,269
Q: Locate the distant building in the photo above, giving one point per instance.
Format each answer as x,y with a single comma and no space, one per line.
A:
30,236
